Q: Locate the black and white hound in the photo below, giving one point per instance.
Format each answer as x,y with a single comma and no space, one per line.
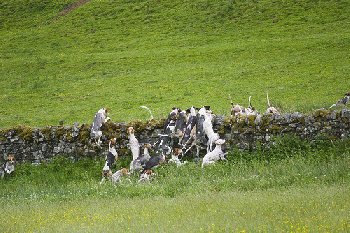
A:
141,161
8,167
110,159
342,102
100,117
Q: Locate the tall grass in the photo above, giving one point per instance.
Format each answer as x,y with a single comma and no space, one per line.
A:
293,186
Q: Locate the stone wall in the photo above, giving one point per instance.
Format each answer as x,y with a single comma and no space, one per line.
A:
37,145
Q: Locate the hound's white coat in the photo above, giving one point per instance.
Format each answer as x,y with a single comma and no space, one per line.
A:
133,144
118,174
141,160
175,158
208,129
214,155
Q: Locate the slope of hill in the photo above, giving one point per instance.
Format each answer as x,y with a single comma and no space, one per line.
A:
66,59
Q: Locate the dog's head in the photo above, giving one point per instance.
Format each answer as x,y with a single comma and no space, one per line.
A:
125,171
113,141
106,173
147,173
131,130
177,151
10,164
220,141
148,146
11,159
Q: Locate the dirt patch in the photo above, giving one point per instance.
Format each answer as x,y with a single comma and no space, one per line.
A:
69,7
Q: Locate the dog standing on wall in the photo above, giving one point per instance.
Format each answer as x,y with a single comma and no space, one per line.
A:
342,102
251,110
100,117
208,129
169,125
236,110
133,143
8,167
270,109
215,155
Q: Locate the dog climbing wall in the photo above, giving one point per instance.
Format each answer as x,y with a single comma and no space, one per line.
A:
36,145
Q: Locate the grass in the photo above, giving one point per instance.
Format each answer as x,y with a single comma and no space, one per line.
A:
311,209
127,54
294,186
59,64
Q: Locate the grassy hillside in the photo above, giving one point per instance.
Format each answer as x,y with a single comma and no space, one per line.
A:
65,60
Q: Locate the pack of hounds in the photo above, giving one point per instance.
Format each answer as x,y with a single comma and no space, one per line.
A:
183,130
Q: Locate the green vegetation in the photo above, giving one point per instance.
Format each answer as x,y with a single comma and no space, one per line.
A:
60,62
293,186
65,60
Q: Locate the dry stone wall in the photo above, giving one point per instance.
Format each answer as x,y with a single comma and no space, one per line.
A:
36,145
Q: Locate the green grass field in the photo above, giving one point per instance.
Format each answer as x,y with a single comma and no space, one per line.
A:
293,187
123,54
64,61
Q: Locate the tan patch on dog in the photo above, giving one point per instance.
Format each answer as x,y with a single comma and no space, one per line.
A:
106,173
131,130
11,159
125,171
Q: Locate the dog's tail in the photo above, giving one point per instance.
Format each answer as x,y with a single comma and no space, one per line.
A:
148,110
250,104
230,99
268,101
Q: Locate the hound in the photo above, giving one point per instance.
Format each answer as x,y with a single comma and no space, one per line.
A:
100,117
164,144
118,174
141,161
146,176
133,143
208,129
270,109
251,110
342,102
148,110
214,155
8,167
200,134
180,126
190,125
169,125
236,110
155,161
110,159
175,157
